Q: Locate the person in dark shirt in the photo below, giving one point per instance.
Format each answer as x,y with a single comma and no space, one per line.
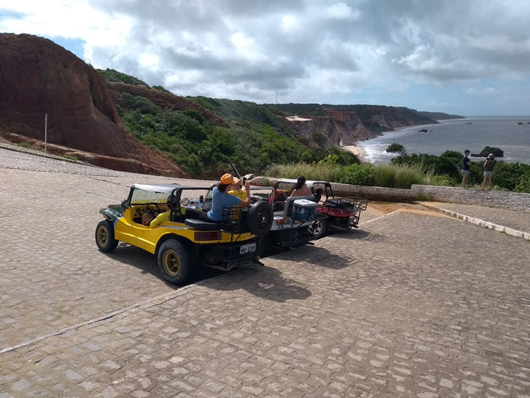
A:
466,163
489,165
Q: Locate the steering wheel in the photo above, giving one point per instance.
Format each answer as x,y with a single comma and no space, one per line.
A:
148,210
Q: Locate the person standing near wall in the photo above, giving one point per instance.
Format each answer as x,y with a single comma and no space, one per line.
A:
466,163
489,165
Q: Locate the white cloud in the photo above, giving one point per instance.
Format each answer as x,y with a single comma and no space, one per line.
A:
301,48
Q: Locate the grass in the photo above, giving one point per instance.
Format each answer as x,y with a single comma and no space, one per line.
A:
398,176
25,145
323,172
71,157
387,175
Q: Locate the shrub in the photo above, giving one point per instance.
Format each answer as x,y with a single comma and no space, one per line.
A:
160,88
318,138
141,104
396,148
429,164
511,175
357,174
524,184
455,156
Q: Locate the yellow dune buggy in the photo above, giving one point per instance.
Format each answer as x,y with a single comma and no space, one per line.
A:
182,244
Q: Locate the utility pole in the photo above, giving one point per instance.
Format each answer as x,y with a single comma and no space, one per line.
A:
46,133
276,97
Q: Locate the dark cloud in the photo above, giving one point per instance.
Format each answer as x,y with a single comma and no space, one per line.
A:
303,46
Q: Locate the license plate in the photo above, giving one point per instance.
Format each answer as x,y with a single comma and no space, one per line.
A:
248,248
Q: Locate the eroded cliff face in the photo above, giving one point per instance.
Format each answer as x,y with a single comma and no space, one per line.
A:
39,77
386,119
339,127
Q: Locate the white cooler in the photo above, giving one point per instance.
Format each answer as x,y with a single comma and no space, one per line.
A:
303,209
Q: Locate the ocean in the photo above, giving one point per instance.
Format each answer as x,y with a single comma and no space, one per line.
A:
472,133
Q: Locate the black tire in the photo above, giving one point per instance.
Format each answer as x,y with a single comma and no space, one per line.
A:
260,218
264,246
177,261
105,237
319,228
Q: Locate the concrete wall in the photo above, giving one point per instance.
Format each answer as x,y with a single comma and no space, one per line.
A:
503,200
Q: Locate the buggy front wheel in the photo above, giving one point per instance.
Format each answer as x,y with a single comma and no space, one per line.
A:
105,237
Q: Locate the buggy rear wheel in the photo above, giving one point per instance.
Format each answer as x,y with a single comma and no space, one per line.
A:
105,237
176,261
319,228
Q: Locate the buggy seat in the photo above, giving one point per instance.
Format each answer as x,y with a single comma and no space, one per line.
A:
202,225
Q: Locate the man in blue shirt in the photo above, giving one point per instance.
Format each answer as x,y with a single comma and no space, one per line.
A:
466,163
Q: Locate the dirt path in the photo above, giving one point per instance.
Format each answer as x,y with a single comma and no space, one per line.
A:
382,208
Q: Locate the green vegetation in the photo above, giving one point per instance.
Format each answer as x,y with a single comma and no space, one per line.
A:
439,115
396,148
160,88
257,140
445,170
112,75
25,145
71,157
254,139
323,172
403,171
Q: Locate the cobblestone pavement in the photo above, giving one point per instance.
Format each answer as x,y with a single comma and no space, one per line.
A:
512,219
408,305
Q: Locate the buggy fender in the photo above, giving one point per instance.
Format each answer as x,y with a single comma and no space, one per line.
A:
110,214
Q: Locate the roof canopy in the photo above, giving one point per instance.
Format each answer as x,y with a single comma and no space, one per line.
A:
309,183
164,188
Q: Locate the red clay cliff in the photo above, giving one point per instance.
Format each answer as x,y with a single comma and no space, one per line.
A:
38,76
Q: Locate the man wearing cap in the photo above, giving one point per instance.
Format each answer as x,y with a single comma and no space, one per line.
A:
489,165
221,199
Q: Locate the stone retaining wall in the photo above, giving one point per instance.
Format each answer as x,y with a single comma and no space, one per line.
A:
500,199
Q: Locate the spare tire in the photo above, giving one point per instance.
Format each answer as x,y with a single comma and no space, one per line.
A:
260,218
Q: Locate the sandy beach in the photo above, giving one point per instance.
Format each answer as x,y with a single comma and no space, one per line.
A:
356,150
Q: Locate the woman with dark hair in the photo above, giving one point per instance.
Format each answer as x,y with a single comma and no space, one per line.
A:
221,199
301,189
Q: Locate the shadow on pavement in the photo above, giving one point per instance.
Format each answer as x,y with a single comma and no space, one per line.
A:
316,255
263,282
147,263
350,235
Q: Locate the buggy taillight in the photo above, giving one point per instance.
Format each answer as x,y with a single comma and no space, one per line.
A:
207,236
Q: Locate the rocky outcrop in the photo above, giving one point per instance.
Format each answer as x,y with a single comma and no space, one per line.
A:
339,127
39,77
164,100
498,153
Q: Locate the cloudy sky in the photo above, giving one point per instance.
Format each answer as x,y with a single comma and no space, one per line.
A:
469,57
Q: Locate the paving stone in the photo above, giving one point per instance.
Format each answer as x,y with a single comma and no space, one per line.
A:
408,305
